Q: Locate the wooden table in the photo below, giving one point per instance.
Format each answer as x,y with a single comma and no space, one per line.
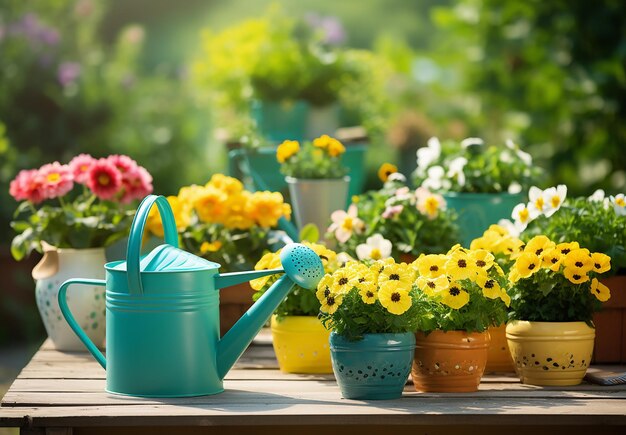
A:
63,393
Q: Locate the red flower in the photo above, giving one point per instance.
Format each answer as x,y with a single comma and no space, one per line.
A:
57,179
137,184
27,185
104,179
80,166
123,163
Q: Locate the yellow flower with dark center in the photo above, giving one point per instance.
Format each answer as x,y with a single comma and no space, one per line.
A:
432,286
210,246
526,265
491,288
323,287
501,231
455,248
460,266
379,265
551,259
482,259
578,260
394,297
271,260
514,275
342,281
335,148
566,248
512,246
328,257
385,170
287,149
601,262
455,296
575,276
600,291
538,245
331,303
368,292
432,265
397,272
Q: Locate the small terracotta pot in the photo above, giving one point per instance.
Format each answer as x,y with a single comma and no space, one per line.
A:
550,353
234,302
449,362
498,356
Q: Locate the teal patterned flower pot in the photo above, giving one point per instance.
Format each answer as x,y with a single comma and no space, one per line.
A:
374,368
479,210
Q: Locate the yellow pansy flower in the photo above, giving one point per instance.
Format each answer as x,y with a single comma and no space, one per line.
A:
575,276
331,302
432,286
578,260
323,287
526,265
431,266
600,291
504,296
552,259
455,248
368,292
397,272
512,246
394,297
566,248
538,245
601,262
491,288
270,260
342,281
514,275
328,256
482,259
455,296
385,170
287,149
459,265
498,229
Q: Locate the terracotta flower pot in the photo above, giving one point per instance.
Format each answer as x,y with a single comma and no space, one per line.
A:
610,323
498,356
234,302
550,353
448,362
301,344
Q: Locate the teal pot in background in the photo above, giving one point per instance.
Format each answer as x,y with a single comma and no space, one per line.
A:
280,120
373,368
313,200
479,210
322,120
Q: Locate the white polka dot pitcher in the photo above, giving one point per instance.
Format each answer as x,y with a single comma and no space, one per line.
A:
87,302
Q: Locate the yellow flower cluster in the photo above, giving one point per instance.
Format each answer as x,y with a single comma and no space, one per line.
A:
568,259
271,260
384,280
446,276
497,240
287,149
329,144
223,200
324,143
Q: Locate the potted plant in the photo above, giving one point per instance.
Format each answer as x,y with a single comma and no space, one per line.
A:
599,224
372,308
317,179
70,213
467,291
226,224
482,183
414,221
299,339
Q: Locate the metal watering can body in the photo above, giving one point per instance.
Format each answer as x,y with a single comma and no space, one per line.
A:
162,314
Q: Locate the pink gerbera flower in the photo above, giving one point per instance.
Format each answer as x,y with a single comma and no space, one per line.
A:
123,163
80,166
137,184
104,179
27,185
57,179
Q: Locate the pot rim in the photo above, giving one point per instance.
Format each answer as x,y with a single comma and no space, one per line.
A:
452,194
293,180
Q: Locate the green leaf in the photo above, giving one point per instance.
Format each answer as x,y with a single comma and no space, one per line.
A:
310,233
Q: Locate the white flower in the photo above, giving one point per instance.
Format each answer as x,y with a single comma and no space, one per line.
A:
428,154
509,227
435,178
537,200
619,204
506,157
515,187
472,141
525,157
345,223
597,196
429,203
522,216
392,210
375,248
456,170
397,177
554,197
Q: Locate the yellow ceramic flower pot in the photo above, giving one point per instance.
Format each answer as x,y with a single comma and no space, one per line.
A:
550,353
301,344
498,354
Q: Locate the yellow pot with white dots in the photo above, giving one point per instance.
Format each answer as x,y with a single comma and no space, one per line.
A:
550,353
301,344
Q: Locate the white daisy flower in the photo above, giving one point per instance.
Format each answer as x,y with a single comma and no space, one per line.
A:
376,247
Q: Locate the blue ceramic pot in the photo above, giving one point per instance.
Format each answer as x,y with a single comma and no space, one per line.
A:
374,368
479,210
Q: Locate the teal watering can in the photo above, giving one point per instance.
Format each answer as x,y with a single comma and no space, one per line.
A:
162,313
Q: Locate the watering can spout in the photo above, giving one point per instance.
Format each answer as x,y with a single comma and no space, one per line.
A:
301,266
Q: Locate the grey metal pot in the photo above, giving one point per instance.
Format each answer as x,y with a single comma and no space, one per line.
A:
313,200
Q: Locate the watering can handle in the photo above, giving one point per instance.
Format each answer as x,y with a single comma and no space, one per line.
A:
69,317
135,238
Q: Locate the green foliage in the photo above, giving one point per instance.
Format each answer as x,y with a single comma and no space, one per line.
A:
595,225
310,233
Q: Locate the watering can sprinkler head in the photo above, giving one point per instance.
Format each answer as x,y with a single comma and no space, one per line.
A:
302,265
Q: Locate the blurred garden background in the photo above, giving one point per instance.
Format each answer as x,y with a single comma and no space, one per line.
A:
165,83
